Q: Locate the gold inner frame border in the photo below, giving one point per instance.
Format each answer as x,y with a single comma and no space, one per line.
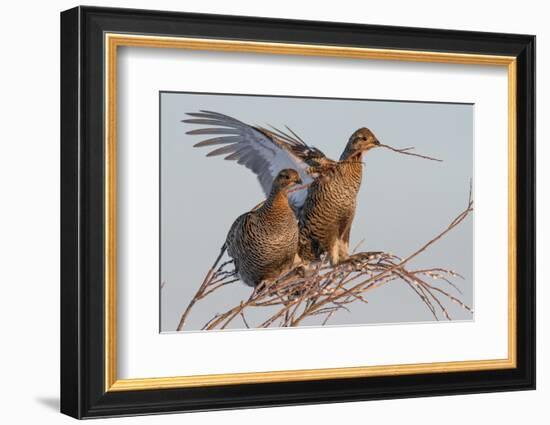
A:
113,40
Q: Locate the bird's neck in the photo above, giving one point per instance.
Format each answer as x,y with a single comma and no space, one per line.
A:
350,154
276,203
352,167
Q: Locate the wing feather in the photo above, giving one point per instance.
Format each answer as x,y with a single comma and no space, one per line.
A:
218,141
236,155
264,152
214,131
230,149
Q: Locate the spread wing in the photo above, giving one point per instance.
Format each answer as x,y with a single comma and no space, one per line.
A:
265,152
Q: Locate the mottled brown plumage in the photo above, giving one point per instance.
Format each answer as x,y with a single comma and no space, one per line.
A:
264,242
329,209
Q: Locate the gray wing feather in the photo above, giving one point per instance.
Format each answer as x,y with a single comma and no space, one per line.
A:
264,152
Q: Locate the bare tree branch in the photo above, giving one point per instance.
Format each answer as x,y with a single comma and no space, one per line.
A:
323,290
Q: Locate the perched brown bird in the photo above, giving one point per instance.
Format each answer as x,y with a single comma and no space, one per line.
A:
264,242
329,209
325,209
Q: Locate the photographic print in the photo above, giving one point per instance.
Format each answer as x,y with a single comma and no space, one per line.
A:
287,211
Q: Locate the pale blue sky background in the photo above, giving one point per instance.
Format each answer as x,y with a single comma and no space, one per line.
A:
403,202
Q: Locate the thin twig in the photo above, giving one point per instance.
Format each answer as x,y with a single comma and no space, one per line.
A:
405,151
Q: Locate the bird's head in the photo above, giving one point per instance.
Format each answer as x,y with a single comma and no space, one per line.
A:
360,141
363,140
286,179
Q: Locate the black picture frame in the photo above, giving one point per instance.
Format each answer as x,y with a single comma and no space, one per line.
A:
83,392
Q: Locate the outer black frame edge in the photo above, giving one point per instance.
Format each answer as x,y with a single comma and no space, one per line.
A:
82,173
526,209
70,140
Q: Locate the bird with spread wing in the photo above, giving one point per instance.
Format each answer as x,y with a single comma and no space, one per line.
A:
325,208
